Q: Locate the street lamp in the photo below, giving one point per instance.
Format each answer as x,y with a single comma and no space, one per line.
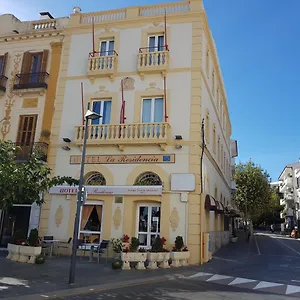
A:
90,115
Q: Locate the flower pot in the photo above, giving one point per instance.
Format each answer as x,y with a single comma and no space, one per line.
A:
185,255
13,252
140,258
126,258
152,258
163,258
233,239
176,257
40,259
28,254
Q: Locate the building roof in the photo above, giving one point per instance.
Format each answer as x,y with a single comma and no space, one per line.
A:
295,165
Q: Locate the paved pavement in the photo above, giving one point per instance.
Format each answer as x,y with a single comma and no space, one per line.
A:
266,265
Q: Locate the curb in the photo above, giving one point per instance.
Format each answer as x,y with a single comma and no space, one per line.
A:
89,289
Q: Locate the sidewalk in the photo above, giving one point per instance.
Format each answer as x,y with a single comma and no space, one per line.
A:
18,279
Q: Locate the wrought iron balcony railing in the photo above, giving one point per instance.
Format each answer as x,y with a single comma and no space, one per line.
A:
24,152
31,81
3,80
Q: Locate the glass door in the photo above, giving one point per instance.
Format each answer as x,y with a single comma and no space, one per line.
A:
148,226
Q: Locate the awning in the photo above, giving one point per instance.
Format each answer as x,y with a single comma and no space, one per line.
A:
232,213
220,207
210,203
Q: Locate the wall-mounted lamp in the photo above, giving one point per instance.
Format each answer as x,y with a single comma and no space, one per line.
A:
178,137
178,146
66,140
66,148
16,31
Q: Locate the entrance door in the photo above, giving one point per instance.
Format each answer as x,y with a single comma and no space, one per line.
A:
148,224
26,134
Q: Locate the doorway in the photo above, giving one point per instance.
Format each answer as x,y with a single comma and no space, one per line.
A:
148,224
15,221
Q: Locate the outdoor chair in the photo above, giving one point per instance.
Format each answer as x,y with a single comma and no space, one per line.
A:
63,245
101,249
46,246
81,246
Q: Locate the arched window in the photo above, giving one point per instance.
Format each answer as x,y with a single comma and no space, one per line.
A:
148,178
94,178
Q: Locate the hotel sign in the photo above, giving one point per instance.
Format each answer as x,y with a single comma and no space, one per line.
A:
108,190
124,159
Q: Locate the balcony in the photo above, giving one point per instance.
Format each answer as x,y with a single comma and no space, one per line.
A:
102,64
31,82
125,134
25,151
3,80
151,61
286,185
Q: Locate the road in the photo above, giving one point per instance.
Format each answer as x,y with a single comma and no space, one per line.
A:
267,267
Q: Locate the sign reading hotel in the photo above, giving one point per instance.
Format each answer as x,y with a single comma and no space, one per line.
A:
108,190
124,159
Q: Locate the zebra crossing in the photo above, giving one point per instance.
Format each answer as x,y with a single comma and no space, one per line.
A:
253,284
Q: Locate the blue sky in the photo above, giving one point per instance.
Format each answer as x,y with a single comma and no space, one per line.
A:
259,51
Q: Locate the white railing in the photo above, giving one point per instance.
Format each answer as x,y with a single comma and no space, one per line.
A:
45,24
156,10
124,132
105,16
153,60
102,64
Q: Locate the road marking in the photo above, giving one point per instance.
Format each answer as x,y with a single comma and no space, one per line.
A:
266,284
240,280
200,274
288,246
292,289
218,277
225,259
257,245
296,280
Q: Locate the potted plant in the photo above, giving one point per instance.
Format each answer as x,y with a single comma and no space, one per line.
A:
13,248
30,249
131,254
158,254
40,259
117,264
180,253
233,238
45,135
125,241
117,247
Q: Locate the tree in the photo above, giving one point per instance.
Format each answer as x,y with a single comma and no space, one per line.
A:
23,183
253,191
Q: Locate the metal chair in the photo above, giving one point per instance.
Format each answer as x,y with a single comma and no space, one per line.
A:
46,247
81,246
101,250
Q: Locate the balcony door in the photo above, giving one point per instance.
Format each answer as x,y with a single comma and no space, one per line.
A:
148,224
156,43
35,67
26,135
152,112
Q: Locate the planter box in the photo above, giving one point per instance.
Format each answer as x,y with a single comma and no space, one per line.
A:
13,252
138,257
179,258
152,258
28,254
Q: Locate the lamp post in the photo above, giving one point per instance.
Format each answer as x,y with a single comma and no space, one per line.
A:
88,116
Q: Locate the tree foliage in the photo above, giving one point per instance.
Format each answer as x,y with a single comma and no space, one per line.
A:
23,183
254,194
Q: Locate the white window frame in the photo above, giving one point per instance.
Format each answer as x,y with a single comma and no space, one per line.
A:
101,225
101,108
148,233
155,41
152,107
107,46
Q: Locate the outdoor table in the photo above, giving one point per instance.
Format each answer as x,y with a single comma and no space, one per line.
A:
90,247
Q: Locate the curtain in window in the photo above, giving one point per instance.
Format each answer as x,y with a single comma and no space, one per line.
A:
96,109
111,47
99,213
106,112
85,215
103,48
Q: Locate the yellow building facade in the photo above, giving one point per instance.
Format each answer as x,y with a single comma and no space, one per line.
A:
153,74
30,54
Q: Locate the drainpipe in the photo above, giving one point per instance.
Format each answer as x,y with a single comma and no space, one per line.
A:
202,154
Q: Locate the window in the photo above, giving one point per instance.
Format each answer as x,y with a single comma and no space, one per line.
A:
3,60
103,108
153,110
148,178
107,47
222,156
156,43
91,223
221,111
224,120
95,178
207,63
219,154
216,193
217,96
207,130
214,138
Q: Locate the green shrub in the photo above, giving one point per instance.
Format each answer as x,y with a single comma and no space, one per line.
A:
33,239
